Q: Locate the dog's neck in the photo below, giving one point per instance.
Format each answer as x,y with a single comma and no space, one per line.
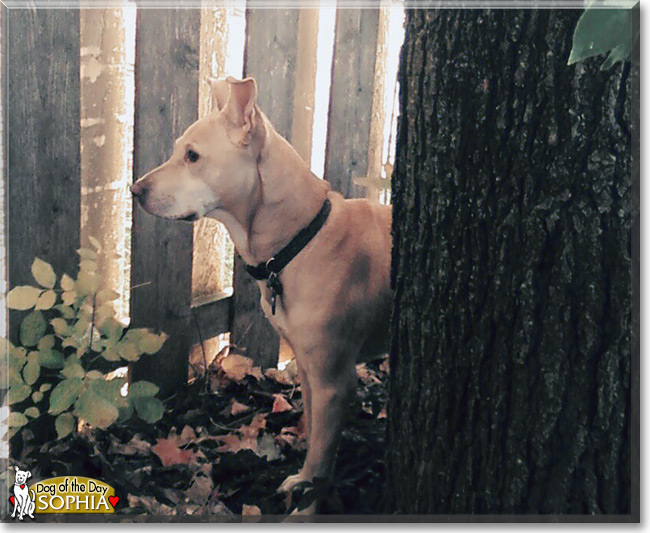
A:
287,198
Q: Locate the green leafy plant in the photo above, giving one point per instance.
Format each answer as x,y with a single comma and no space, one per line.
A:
52,372
601,30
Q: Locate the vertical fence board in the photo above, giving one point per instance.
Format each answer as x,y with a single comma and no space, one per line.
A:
105,142
167,47
351,95
43,159
271,57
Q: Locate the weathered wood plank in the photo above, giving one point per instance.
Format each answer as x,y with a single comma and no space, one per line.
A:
351,96
167,44
43,156
214,317
106,139
271,57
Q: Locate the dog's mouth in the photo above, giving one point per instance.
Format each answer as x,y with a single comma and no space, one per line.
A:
190,217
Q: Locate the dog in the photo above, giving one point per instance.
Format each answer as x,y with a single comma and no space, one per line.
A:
23,501
331,301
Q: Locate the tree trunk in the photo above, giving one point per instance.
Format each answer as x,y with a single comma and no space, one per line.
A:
510,385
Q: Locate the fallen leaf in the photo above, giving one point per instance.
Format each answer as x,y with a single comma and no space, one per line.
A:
382,413
169,452
187,435
200,490
365,375
280,404
367,407
136,446
237,408
246,437
288,375
385,366
268,448
236,367
250,510
150,504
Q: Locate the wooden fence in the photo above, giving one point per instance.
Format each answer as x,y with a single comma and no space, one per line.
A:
43,163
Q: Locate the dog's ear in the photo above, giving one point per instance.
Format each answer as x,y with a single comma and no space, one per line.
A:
220,90
241,104
29,474
17,469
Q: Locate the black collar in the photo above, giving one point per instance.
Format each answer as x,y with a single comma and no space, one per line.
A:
291,250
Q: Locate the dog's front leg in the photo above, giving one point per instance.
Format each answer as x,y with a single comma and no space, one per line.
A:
305,390
331,391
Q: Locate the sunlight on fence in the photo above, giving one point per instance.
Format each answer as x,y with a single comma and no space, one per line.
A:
363,71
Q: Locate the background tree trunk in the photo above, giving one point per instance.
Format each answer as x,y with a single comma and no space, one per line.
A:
510,385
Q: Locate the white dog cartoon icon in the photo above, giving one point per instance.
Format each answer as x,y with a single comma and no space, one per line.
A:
22,500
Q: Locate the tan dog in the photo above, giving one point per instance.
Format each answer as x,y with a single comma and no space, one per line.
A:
234,167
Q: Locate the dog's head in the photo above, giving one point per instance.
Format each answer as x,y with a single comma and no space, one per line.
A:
214,163
22,475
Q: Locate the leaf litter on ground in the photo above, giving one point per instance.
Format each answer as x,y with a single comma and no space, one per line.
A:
224,448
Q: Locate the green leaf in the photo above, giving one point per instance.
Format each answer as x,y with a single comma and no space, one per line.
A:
65,394
37,397
18,392
61,327
32,370
128,350
64,424
601,30
16,420
94,374
146,340
23,297
620,53
46,343
32,329
32,412
16,359
142,388
88,266
96,410
73,369
46,300
149,409
110,354
107,295
66,311
125,411
87,283
87,253
43,273
95,243
51,359
69,297
112,328
45,387
152,343
66,283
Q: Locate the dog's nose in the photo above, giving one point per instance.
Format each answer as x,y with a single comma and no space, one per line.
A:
137,188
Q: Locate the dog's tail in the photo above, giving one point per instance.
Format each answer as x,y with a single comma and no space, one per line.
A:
31,492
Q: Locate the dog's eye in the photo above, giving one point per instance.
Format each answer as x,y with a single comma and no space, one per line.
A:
192,156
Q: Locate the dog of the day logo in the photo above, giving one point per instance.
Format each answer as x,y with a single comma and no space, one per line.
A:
61,495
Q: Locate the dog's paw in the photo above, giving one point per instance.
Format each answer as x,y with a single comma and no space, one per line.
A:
292,482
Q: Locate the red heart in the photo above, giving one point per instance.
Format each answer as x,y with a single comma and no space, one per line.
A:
12,500
113,500
22,486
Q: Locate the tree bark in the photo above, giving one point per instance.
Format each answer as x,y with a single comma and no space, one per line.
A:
510,385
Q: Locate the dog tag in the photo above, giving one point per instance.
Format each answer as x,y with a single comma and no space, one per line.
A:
275,286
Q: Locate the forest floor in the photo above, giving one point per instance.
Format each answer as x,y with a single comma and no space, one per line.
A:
224,446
